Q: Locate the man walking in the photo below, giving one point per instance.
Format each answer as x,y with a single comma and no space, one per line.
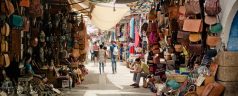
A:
114,52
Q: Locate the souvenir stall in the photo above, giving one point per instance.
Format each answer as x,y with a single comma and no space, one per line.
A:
51,35
183,36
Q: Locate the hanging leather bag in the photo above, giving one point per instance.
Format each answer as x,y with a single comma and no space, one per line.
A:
26,25
212,7
7,60
4,46
195,49
24,3
5,30
213,41
2,60
7,7
210,20
182,35
192,25
195,37
192,7
36,9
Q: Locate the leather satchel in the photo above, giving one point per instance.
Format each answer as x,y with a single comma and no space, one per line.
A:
7,60
212,7
5,30
213,41
182,35
36,9
213,89
4,46
192,25
192,7
195,37
196,49
210,20
7,7
24,3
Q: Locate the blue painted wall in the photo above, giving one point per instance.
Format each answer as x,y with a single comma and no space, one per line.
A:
233,37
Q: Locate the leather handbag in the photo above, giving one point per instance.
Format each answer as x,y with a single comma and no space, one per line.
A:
24,3
178,47
213,89
2,60
16,21
195,37
7,60
196,49
212,7
217,28
4,46
7,7
26,25
210,20
192,25
36,9
182,35
213,41
191,91
192,7
5,30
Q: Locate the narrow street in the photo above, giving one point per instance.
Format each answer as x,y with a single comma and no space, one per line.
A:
107,84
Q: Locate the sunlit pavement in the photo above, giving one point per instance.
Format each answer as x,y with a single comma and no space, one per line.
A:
107,84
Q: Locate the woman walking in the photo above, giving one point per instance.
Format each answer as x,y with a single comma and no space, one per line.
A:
102,58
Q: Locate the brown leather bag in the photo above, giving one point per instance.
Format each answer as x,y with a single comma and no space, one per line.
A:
4,46
36,9
192,7
5,30
213,41
210,20
195,37
192,25
26,25
76,52
212,7
196,49
7,7
2,60
24,3
7,60
213,89
182,35
173,12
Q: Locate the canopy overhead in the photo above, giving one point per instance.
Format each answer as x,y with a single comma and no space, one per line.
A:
103,15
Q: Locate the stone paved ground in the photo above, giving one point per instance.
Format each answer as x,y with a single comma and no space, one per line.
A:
107,84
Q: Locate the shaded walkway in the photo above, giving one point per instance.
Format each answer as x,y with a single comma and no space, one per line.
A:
107,84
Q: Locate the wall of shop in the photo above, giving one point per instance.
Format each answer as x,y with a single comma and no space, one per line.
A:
229,9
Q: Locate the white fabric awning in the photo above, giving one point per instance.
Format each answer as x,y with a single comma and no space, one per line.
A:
105,17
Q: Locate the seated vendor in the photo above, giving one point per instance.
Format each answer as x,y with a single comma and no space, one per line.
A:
28,67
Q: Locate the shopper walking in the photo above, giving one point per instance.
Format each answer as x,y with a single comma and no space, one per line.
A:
102,58
114,52
95,52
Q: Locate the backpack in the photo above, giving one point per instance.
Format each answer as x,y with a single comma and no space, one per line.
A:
212,7
115,50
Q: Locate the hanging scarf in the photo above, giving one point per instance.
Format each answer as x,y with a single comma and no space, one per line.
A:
132,28
137,37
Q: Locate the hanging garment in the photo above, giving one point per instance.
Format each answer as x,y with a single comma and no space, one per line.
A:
132,28
137,37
